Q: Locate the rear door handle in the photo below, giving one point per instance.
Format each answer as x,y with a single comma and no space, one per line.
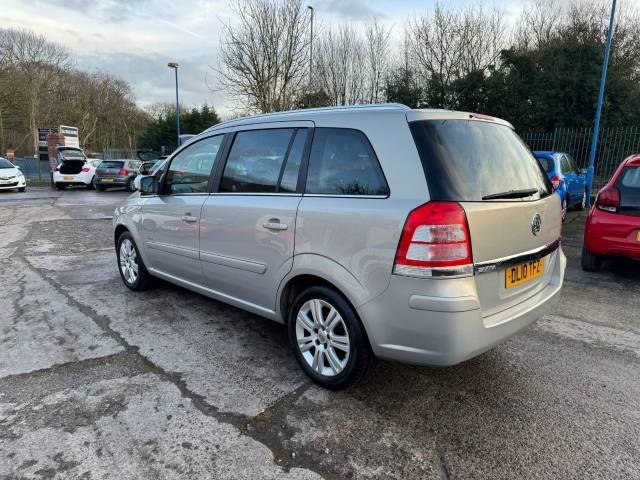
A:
188,218
275,225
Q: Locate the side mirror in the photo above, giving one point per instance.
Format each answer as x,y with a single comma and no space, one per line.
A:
583,171
147,185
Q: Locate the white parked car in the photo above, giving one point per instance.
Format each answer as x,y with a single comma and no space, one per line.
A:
11,178
74,168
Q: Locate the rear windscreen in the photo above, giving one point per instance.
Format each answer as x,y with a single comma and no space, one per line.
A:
466,160
110,164
629,187
546,163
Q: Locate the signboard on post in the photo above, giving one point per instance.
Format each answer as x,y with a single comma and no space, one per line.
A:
71,138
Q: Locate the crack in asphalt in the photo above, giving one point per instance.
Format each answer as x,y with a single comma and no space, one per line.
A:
253,427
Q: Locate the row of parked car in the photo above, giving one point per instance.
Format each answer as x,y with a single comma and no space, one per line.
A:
75,169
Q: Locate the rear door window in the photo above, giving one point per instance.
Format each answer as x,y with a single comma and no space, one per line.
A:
342,162
566,165
467,160
190,169
256,160
629,187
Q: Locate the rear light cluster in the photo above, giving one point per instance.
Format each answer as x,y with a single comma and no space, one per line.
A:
555,181
435,242
86,169
608,200
123,171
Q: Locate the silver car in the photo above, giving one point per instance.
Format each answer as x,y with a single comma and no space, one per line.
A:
424,236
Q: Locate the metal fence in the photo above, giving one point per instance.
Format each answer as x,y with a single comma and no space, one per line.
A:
29,167
614,145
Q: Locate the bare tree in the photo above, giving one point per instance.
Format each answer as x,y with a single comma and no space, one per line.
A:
377,47
340,65
447,43
265,53
540,19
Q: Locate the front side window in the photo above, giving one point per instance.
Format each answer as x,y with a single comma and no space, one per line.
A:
566,166
190,169
342,162
256,160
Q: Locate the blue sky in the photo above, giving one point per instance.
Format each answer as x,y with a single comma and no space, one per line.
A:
135,39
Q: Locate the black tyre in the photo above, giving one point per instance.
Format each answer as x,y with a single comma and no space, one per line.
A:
60,186
92,184
590,262
22,189
130,185
130,264
583,202
100,189
565,202
327,339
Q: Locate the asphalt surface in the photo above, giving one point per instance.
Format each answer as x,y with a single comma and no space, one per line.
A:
98,382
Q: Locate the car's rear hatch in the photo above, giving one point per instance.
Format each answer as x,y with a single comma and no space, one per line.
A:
109,168
71,161
513,216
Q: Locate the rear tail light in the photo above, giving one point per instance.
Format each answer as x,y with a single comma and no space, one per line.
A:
555,181
86,169
435,242
123,171
608,200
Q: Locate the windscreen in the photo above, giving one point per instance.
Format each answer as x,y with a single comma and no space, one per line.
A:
6,163
469,160
111,164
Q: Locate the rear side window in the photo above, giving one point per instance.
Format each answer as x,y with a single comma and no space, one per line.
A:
629,186
342,162
467,160
566,165
256,160
547,164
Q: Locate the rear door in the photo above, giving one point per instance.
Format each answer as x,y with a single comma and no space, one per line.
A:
171,220
508,200
248,225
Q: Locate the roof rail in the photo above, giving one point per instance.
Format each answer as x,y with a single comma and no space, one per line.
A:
376,106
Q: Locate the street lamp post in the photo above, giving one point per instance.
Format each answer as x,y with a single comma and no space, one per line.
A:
175,68
596,127
311,50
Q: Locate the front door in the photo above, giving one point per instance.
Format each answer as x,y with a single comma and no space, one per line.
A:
247,229
171,220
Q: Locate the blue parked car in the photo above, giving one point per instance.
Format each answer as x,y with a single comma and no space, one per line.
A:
567,179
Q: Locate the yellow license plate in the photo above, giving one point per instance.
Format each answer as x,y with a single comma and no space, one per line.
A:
523,273
106,180
68,178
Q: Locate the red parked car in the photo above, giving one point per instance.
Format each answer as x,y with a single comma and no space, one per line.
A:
613,224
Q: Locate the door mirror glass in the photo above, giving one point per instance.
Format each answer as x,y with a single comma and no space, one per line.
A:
147,185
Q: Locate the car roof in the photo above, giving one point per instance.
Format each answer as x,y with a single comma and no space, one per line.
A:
548,153
632,159
357,112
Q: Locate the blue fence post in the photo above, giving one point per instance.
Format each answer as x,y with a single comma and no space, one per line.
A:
603,79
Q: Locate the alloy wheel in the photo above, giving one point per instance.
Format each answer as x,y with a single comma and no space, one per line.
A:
322,337
564,209
128,261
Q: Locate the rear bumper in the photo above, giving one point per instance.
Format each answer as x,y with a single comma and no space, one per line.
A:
111,181
612,234
405,326
76,179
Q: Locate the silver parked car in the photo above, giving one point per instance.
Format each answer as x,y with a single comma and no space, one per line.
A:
424,236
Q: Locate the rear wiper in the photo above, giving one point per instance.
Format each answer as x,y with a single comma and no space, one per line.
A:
527,192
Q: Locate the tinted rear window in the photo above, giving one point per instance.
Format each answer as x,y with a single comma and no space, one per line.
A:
465,160
110,164
629,186
547,164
